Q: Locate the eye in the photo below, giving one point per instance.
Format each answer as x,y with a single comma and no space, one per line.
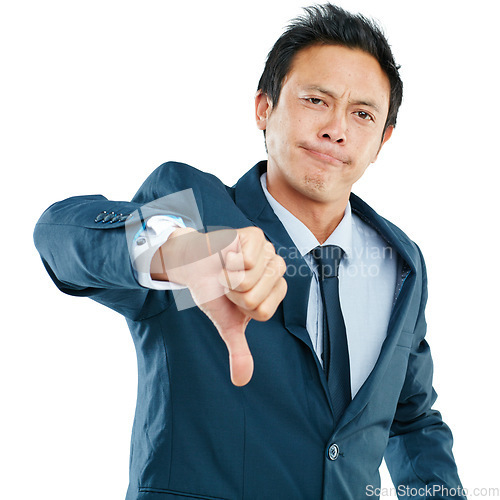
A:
315,100
364,115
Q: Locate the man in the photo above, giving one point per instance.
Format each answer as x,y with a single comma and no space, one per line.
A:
334,372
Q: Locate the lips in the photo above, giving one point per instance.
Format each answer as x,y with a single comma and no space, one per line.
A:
326,156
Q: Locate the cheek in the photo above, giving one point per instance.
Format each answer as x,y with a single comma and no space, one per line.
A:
367,147
280,137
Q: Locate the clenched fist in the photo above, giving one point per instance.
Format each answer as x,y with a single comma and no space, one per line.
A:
233,275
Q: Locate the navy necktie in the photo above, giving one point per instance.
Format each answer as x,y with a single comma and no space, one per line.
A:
335,351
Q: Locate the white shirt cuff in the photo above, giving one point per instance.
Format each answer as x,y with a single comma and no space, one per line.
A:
145,244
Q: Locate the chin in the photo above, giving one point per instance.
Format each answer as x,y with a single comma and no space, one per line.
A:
319,182
316,190
323,189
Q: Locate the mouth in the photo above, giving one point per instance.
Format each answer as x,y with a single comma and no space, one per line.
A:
325,157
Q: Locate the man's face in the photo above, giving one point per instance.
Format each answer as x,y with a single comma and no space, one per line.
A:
328,124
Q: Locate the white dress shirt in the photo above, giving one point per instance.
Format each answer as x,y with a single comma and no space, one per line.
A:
367,283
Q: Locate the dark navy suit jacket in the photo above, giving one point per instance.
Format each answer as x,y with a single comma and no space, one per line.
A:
195,435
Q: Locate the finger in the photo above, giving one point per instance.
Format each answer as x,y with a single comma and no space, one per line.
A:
251,299
242,273
268,306
240,357
232,278
251,243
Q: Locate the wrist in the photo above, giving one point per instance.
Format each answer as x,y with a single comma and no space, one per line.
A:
169,259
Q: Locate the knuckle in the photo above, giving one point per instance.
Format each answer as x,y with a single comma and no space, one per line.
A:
270,270
237,281
283,288
249,301
276,267
269,248
242,286
264,312
255,232
258,231
281,265
250,260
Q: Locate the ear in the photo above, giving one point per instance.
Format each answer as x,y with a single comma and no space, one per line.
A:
387,135
263,109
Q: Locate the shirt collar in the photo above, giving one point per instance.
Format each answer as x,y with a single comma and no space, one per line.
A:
300,234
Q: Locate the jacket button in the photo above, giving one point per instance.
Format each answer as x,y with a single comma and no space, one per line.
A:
108,217
100,216
333,452
116,218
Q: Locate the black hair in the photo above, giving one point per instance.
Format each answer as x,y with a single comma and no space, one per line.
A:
331,25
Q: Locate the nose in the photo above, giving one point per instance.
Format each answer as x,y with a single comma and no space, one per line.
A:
335,126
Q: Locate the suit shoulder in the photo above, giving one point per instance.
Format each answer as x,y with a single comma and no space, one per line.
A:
399,233
179,170
385,227
173,176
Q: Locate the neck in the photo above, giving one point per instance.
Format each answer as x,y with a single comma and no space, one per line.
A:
320,217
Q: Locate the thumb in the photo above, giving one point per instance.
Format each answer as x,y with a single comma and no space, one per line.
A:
240,357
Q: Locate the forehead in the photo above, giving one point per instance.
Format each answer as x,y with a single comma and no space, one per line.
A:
341,70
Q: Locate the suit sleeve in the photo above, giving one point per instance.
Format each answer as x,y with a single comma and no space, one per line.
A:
419,453
84,241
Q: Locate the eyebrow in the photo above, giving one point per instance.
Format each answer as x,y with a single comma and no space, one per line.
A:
317,88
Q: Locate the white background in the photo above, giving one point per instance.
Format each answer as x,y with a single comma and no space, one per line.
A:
96,94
